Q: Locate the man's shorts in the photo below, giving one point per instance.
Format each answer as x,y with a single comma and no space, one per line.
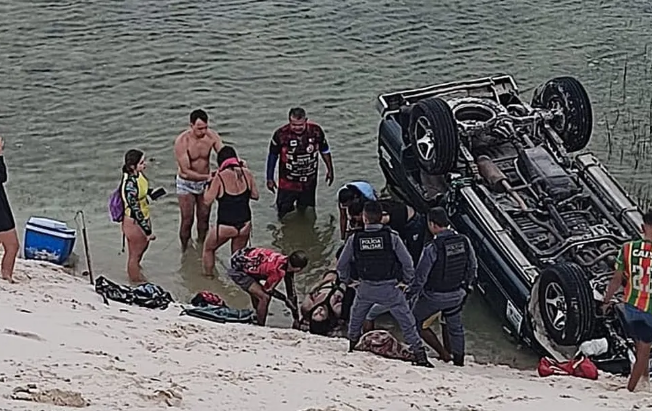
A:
639,323
190,187
286,199
241,279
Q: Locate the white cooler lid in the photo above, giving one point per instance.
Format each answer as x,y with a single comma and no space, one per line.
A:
47,222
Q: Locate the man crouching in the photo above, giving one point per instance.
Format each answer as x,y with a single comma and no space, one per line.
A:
250,265
381,260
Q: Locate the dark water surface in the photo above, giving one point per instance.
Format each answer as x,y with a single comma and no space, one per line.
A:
83,81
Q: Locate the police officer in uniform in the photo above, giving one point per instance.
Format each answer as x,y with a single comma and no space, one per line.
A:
384,266
444,276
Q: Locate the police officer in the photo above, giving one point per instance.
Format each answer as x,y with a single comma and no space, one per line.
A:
444,276
384,267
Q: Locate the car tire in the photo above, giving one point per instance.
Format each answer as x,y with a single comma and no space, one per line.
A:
566,283
433,136
568,94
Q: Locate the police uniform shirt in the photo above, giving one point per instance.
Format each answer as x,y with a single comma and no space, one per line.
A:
347,257
429,257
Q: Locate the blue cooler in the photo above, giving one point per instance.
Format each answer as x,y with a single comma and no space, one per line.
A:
48,240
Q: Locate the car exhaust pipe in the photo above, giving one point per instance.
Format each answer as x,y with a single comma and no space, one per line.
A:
497,179
611,191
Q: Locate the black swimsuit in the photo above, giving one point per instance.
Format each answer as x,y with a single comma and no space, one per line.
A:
233,210
6,216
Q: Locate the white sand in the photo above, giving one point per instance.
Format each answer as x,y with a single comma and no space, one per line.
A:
56,333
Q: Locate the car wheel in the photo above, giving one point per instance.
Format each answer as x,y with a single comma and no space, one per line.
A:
566,303
433,136
575,122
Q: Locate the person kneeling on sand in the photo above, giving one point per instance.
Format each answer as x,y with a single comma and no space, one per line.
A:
250,265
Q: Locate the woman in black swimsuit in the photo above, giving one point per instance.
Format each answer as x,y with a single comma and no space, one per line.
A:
8,236
233,186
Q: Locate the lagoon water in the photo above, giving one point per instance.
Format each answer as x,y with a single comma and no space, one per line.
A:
83,81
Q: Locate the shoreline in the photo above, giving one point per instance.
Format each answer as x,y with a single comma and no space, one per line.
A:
58,334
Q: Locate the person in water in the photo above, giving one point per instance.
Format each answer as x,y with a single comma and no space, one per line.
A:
410,225
136,225
295,146
233,186
323,308
250,265
192,150
355,190
8,236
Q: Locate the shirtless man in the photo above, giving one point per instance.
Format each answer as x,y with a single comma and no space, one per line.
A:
192,150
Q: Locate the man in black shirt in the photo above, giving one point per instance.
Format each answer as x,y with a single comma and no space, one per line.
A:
410,225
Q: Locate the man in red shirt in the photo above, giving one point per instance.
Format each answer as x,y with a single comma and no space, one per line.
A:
298,144
251,265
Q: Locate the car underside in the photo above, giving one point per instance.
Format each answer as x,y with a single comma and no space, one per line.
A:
546,224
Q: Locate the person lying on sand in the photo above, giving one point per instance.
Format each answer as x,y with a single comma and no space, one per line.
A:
324,308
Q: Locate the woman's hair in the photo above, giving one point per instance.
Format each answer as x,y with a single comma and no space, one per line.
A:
132,158
225,153
321,327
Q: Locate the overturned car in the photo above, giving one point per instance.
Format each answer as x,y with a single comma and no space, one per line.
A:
546,224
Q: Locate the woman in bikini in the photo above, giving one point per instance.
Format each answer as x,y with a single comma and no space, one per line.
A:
136,225
233,186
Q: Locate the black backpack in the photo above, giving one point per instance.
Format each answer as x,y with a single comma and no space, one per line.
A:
146,295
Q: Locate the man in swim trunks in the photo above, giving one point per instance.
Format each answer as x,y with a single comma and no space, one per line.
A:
297,146
192,150
345,196
634,269
251,265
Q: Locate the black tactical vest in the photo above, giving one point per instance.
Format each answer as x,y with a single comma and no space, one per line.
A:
375,259
450,268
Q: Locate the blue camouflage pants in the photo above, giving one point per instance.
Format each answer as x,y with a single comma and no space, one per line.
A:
450,304
393,299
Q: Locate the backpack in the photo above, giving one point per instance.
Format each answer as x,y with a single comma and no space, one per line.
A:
206,298
116,205
146,295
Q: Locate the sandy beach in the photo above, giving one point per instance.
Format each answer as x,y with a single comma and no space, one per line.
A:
61,344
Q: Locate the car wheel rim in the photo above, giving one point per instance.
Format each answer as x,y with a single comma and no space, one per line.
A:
555,303
424,139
